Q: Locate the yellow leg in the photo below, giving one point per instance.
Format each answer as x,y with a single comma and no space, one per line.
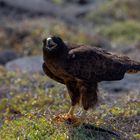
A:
70,118
66,117
75,121
71,111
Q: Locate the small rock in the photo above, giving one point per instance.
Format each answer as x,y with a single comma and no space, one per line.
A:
6,56
26,64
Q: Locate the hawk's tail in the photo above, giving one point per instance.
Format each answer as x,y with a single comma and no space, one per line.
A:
134,67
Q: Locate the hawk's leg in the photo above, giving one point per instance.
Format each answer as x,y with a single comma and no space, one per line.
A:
71,111
73,91
89,96
70,118
75,97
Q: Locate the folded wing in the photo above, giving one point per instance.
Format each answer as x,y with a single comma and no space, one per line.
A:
95,64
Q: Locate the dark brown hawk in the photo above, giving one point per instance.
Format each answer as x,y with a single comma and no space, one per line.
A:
82,67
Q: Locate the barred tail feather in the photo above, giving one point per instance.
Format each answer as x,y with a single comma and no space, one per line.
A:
134,68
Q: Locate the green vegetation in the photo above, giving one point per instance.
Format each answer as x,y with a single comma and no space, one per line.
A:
30,42
122,32
102,15
117,20
115,10
26,109
59,2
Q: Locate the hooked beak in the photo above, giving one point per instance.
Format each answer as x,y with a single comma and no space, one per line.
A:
50,43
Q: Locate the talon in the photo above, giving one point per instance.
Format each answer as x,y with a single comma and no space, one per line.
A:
68,119
63,117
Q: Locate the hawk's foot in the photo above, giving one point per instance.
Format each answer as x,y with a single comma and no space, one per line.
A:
68,119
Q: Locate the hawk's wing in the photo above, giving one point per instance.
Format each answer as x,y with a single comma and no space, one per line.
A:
91,63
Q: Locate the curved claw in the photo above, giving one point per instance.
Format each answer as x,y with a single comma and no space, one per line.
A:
68,119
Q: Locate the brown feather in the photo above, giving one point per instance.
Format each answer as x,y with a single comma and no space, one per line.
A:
81,67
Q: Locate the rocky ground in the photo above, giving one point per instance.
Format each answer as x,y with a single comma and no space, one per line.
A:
27,96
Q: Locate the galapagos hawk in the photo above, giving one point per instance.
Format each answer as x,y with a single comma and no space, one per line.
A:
81,68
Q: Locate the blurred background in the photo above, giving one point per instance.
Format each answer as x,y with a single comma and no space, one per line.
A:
110,24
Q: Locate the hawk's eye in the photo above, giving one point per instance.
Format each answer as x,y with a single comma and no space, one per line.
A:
50,43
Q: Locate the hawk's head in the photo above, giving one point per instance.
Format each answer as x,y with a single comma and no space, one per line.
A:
52,43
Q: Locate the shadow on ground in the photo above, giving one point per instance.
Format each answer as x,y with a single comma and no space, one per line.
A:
91,132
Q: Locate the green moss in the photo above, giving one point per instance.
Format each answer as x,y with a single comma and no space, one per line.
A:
59,2
116,111
102,14
137,136
33,128
122,32
115,10
26,114
29,129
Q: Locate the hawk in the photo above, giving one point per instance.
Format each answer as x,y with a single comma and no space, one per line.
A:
81,68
